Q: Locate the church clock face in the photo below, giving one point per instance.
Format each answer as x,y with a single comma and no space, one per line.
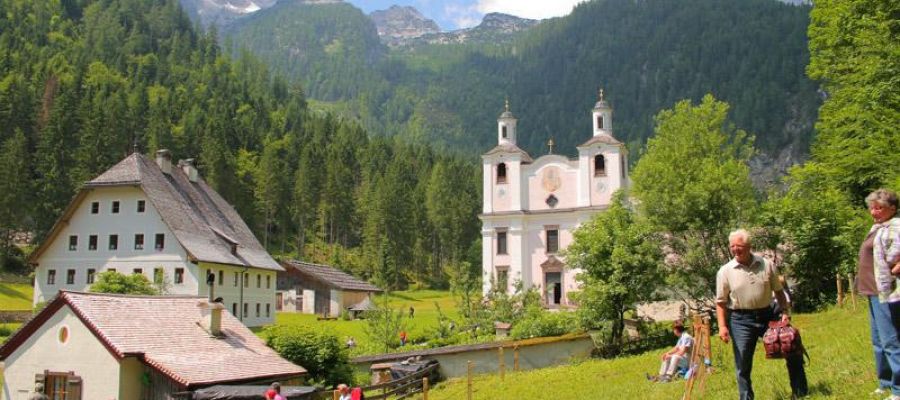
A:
550,179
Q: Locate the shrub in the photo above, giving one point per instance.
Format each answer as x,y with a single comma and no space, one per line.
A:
321,353
539,323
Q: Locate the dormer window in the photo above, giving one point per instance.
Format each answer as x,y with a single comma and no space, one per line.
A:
599,165
503,132
501,173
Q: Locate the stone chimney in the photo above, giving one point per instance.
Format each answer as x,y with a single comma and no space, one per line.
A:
189,169
212,317
164,160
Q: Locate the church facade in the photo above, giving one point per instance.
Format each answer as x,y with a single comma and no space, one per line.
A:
531,207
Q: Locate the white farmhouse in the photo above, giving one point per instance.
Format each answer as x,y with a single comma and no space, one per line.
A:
163,221
92,346
532,206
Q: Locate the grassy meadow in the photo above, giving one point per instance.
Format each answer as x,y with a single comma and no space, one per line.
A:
837,339
425,303
15,296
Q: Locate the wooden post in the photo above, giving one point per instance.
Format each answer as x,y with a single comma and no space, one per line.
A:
425,388
336,395
469,380
502,362
852,289
840,289
516,358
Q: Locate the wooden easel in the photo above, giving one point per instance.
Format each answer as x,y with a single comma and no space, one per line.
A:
701,355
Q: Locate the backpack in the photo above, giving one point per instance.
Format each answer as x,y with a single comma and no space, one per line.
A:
357,394
782,340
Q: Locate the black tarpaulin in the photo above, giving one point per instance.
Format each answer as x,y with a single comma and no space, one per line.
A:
226,392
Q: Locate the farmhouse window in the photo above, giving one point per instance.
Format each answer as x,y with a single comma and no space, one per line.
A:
92,242
141,206
115,207
268,281
160,241
95,207
179,275
51,277
91,275
60,385
70,277
258,281
113,242
73,242
138,241
221,278
257,310
138,271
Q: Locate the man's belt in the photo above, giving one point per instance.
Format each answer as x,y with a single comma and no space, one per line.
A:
751,310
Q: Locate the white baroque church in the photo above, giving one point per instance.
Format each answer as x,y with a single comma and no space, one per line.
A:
532,206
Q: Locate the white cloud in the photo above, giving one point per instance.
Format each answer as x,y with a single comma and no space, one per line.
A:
534,9
463,16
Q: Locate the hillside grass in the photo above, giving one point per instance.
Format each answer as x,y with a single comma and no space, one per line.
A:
837,339
15,296
425,303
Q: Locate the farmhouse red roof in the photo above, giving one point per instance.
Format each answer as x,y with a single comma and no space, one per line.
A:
164,332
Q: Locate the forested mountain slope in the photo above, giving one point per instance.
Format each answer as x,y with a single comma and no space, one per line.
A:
646,54
83,83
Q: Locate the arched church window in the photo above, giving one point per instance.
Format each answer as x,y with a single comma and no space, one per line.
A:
501,173
503,131
599,122
599,165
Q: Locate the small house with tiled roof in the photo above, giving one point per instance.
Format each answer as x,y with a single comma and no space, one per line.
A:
90,346
159,219
319,289
531,206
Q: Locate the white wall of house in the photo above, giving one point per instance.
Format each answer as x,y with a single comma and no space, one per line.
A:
81,353
309,301
257,287
125,259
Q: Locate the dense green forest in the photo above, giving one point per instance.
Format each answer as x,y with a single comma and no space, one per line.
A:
83,83
647,55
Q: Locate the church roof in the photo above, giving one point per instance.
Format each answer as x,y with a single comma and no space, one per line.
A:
602,139
164,333
330,276
202,221
509,148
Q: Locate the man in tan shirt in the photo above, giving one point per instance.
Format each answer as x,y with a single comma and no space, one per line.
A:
744,289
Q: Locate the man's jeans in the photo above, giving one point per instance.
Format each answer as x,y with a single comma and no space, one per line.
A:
885,322
746,327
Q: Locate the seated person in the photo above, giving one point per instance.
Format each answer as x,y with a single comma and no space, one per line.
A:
678,357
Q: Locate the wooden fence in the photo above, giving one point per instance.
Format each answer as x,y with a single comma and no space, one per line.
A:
403,388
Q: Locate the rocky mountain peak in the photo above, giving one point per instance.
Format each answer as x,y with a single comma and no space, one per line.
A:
402,22
505,22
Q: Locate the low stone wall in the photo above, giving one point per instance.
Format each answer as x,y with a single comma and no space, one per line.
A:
533,354
15,315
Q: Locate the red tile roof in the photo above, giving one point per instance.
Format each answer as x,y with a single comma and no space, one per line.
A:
164,332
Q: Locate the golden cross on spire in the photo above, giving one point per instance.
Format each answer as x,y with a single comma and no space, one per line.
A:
506,105
550,144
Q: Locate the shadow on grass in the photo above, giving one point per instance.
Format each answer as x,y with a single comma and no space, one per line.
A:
821,388
9,292
404,297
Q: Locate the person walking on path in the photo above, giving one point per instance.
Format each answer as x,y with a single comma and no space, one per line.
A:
877,279
744,288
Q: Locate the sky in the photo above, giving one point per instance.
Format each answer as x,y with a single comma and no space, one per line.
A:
456,14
